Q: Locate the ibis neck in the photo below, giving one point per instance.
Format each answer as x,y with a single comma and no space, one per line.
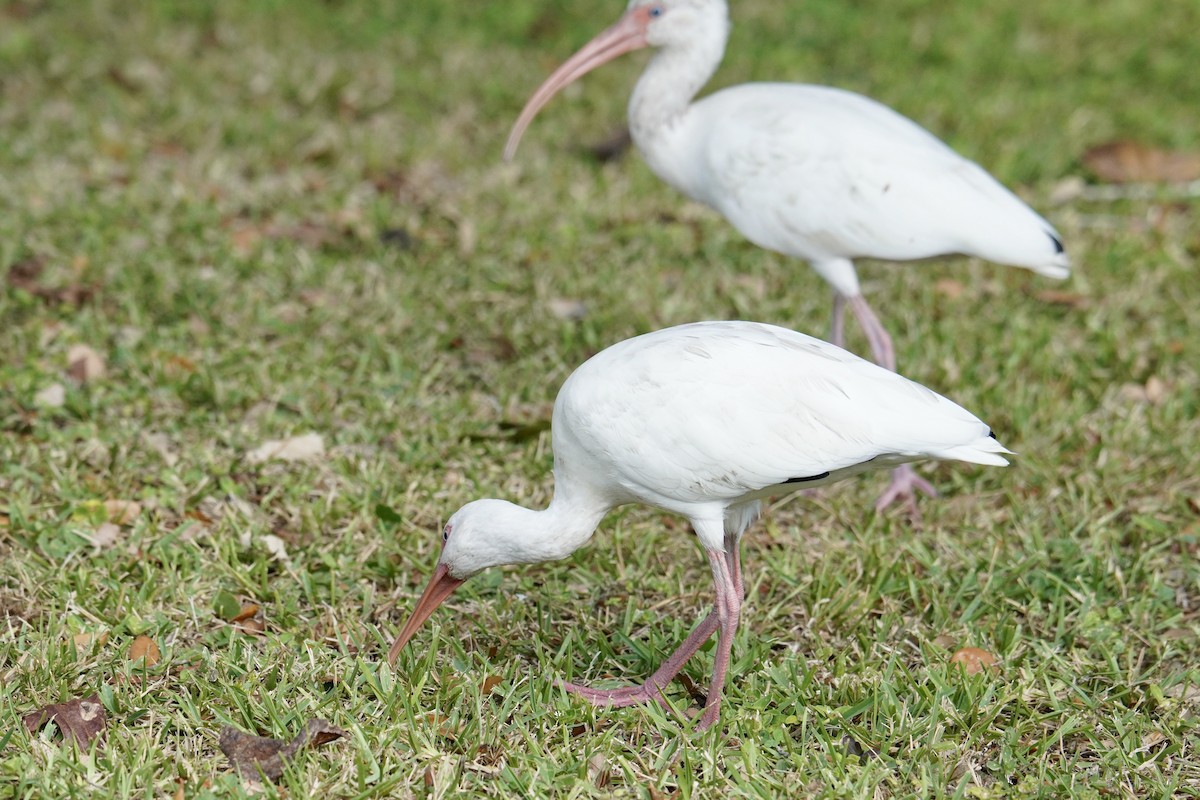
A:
671,79
660,107
555,532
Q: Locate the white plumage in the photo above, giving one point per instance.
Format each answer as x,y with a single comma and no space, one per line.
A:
808,171
705,420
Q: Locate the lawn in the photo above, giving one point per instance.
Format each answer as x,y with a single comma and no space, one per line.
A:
268,220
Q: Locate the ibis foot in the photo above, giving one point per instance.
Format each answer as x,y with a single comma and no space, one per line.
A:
905,486
617,698
652,689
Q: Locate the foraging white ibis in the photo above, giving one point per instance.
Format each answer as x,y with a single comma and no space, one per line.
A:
704,420
808,171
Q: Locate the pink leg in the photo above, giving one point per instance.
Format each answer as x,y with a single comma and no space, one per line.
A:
729,611
877,337
652,689
906,483
837,320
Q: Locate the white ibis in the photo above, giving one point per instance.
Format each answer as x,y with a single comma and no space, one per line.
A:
704,420
808,171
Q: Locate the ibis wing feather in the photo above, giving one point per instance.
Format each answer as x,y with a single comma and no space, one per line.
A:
726,409
818,173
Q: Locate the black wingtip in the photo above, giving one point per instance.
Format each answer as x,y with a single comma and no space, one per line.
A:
808,478
1058,245
992,435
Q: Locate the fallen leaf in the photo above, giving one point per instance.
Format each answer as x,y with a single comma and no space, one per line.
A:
253,757
122,512
973,659
247,611
85,641
253,627
80,720
144,649
612,146
84,364
444,728
161,443
515,431
598,770
105,535
854,748
1127,161
296,448
24,275
275,546
1058,297
570,310
1151,740
397,238
1066,190
948,287
1156,390
53,396
491,682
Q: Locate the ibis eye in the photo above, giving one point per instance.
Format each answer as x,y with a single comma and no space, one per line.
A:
445,534
656,11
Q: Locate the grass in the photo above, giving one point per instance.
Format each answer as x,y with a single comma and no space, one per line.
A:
290,218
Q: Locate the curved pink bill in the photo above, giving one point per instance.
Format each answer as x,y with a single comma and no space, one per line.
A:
441,586
629,33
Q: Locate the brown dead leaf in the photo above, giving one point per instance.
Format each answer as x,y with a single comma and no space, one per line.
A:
949,288
258,756
84,364
253,627
177,365
26,274
248,610
122,512
1127,161
80,720
598,770
973,659
444,728
1058,297
612,146
491,682
144,649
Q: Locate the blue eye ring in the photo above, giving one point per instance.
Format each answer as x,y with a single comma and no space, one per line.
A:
656,11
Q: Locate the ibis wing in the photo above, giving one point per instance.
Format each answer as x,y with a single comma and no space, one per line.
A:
821,173
725,410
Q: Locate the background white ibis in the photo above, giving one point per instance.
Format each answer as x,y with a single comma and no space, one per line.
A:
809,171
704,420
